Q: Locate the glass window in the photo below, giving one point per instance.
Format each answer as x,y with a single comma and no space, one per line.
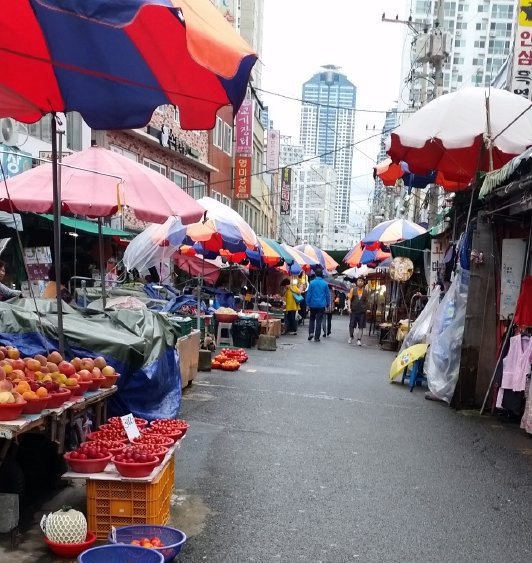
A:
74,126
179,178
161,168
196,188
228,139
124,152
41,130
226,200
217,137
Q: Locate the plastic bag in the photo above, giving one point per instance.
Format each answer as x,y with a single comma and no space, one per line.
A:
442,364
420,329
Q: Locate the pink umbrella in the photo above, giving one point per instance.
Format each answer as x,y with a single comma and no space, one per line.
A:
97,182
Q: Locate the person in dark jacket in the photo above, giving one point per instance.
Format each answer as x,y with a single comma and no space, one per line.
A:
318,298
358,304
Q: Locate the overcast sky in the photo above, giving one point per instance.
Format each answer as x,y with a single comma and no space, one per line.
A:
302,35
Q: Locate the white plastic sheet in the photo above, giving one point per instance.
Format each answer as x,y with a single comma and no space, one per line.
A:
442,364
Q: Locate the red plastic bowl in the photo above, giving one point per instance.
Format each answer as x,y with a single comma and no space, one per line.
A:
76,391
160,453
70,549
84,386
95,436
55,400
35,406
114,450
96,383
87,465
165,441
226,317
183,426
135,469
115,421
173,435
110,380
11,411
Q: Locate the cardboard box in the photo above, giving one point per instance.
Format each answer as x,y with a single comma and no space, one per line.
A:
188,348
271,327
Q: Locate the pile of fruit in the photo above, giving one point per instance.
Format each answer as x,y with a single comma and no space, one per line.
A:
90,450
31,379
229,359
148,542
170,427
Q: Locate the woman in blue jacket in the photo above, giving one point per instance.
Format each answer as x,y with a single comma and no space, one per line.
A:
318,298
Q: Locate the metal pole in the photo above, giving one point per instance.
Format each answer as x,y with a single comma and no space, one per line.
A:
102,261
57,234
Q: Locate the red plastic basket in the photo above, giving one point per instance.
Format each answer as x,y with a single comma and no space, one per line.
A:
135,469
87,465
96,383
57,399
11,411
35,406
70,549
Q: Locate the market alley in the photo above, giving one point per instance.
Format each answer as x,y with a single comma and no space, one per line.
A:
309,454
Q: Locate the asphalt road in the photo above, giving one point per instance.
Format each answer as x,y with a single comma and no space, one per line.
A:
310,454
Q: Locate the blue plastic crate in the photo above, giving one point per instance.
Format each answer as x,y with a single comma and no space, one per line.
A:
172,538
120,554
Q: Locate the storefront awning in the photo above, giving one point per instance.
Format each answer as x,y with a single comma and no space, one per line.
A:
88,226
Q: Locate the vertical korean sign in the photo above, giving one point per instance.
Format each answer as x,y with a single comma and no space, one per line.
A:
242,177
272,155
521,78
286,181
244,129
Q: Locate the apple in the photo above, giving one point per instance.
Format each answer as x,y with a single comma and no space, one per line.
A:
87,363
18,364
52,367
2,355
41,359
33,365
13,353
85,375
66,368
44,369
3,349
17,374
76,362
55,358
96,372
100,362
108,370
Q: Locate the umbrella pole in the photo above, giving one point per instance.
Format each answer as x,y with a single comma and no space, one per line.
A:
200,281
57,234
102,261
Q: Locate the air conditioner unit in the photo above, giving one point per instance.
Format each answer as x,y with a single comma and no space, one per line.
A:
8,132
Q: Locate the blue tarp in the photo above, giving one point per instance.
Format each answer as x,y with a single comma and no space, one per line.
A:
140,345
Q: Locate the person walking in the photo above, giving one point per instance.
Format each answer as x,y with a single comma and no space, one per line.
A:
302,284
358,303
327,315
6,292
318,298
291,306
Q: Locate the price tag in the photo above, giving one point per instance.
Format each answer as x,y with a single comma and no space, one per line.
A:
130,426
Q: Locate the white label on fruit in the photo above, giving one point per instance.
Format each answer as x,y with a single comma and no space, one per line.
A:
130,426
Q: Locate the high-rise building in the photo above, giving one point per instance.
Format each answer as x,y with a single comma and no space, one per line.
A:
327,128
251,25
482,39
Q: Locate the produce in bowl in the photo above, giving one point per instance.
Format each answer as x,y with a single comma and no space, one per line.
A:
170,425
132,464
148,450
154,438
90,457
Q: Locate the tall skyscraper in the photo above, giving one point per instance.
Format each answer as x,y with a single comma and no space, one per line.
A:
327,128
482,39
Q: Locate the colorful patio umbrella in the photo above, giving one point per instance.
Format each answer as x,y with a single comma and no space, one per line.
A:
392,231
450,134
115,62
304,261
272,253
98,182
360,255
326,261
221,232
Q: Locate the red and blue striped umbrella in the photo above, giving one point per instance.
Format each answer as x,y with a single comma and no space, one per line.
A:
389,232
326,261
359,256
114,61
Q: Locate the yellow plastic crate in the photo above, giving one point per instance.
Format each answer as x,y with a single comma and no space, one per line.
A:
117,503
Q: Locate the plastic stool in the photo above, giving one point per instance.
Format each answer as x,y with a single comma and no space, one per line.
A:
224,339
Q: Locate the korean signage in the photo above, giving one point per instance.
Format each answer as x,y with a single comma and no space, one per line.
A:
272,155
286,181
244,129
521,78
13,161
242,177
513,260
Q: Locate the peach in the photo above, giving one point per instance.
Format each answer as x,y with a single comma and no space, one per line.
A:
41,359
55,357
100,362
52,367
33,365
13,353
108,370
87,363
76,362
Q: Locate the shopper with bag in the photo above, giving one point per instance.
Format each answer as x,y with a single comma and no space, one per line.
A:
292,298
